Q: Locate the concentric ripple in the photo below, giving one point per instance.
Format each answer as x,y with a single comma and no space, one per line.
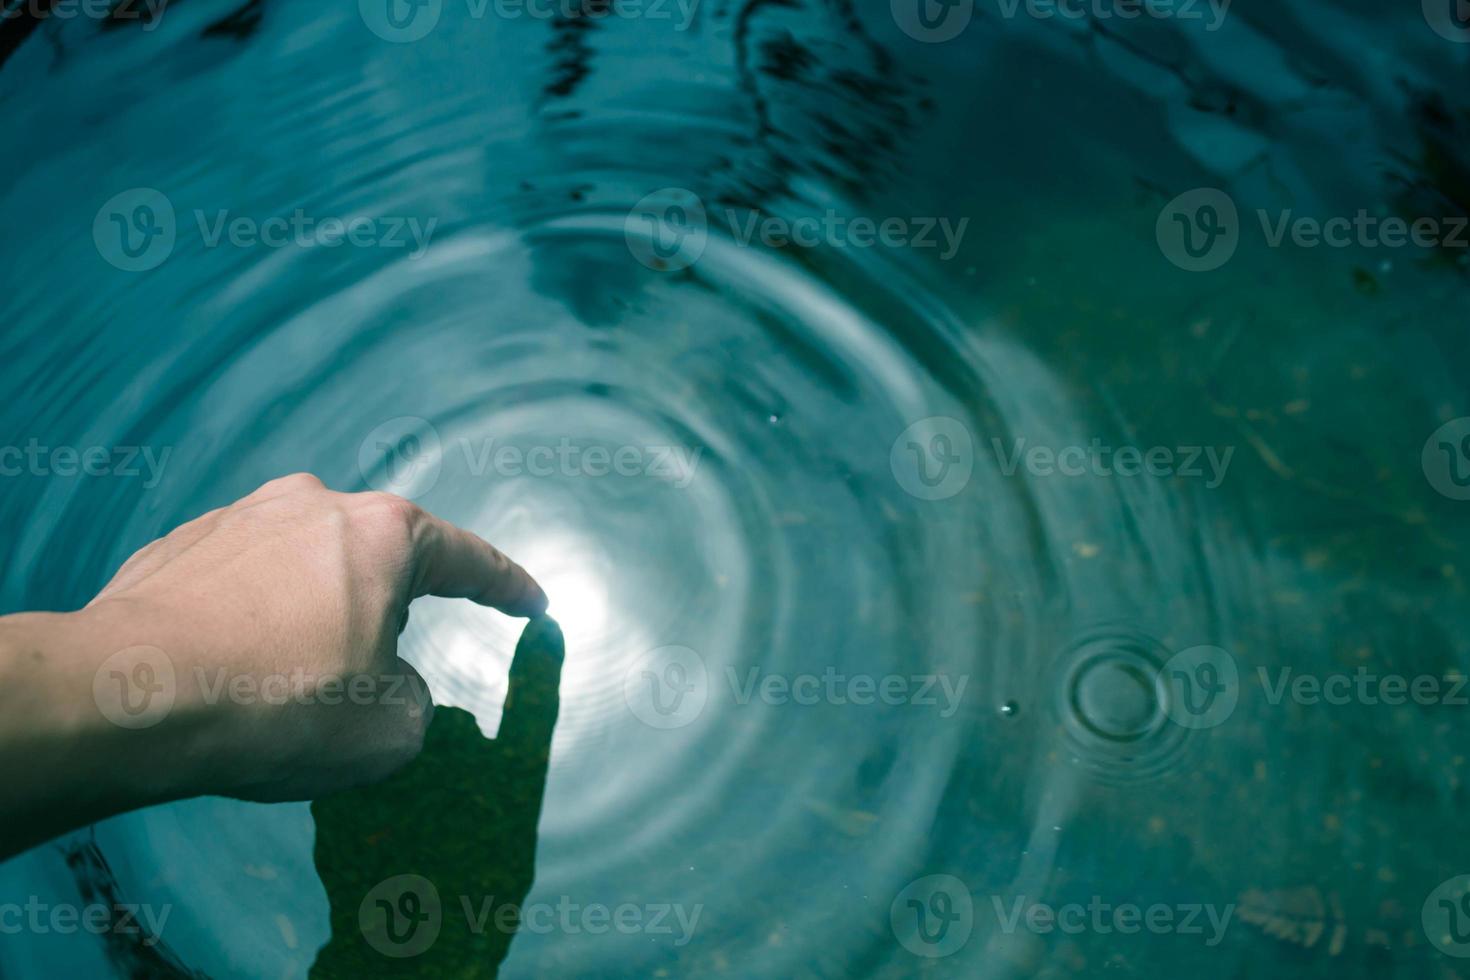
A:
830,649
706,463
1113,700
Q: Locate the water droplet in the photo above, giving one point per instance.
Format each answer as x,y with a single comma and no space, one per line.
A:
1009,709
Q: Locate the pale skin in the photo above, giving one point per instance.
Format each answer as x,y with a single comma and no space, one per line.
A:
293,584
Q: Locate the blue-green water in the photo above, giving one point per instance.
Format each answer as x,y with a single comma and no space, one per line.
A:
831,631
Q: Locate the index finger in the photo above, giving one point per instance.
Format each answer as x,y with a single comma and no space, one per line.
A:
458,564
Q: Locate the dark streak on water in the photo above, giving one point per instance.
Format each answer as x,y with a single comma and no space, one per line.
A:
240,24
134,952
571,49
792,87
14,30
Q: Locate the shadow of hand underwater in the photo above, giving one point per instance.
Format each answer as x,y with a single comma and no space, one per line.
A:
426,872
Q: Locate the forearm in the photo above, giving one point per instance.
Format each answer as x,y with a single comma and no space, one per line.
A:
64,762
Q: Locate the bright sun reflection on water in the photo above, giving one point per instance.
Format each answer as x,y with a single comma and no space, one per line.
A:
602,634
579,598
605,601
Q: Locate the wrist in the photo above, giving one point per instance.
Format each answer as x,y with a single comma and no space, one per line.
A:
88,720
139,698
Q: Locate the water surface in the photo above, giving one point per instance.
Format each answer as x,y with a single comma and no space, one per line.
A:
819,474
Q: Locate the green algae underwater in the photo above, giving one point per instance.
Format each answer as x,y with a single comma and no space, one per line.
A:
426,872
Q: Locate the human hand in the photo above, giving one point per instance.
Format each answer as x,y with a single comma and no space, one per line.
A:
276,621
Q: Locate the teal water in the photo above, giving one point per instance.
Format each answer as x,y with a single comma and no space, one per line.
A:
1089,697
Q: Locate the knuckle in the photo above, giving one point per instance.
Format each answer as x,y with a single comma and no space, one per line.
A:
387,516
388,507
294,483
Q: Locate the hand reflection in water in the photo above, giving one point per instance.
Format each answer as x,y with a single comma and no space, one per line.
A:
427,872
